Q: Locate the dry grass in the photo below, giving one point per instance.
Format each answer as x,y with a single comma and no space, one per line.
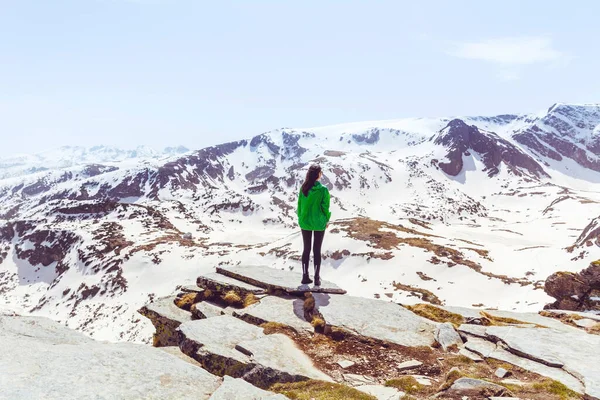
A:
436,314
186,300
503,321
318,322
232,298
406,384
453,376
250,299
425,294
319,390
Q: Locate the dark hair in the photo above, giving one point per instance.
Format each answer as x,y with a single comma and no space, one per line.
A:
311,178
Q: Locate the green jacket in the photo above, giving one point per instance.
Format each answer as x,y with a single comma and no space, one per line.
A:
313,210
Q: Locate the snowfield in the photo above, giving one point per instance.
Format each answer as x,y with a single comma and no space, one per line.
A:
473,211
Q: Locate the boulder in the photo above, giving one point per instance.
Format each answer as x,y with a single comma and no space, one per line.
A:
575,291
275,279
376,319
43,359
476,387
447,336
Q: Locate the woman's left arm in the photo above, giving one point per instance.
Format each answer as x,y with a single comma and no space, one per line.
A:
325,204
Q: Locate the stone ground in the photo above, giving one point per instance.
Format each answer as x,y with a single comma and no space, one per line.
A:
227,340
387,351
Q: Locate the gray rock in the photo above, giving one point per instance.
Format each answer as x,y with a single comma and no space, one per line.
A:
528,318
165,307
476,387
275,279
422,380
222,283
469,354
188,236
43,359
447,336
473,330
358,380
589,315
576,351
490,350
206,309
286,311
166,318
191,289
376,319
585,323
381,392
226,345
501,373
345,363
280,353
239,389
408,365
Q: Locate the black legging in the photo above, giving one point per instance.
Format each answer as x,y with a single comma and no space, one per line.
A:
307,236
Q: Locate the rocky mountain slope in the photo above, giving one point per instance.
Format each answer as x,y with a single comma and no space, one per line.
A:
469,211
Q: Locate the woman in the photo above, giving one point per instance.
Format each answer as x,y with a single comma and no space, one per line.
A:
313,216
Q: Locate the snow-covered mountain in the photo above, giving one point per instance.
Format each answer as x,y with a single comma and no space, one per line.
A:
466,211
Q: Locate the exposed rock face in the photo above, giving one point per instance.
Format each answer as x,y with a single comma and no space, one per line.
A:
566,131
575,291
461,138
239,389
476,387
43,359
447,336
228,346
166,318
385,321
274,279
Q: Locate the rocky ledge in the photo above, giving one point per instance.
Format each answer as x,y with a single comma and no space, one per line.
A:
228,340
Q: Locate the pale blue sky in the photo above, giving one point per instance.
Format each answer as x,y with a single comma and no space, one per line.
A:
197,73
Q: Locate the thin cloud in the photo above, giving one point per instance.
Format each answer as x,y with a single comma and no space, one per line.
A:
510,51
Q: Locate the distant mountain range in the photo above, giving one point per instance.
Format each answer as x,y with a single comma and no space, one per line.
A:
462,210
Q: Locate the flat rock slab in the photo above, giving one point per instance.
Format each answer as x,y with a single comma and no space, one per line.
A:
476,387
527,318
589,315
381,392
226,345
577,351
280,353
447,336
488,349
275,279
376,319
286,311
165,307
223,283
205,310
239,389
42,359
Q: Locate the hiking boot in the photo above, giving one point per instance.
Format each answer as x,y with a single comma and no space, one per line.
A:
306,279
317,280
